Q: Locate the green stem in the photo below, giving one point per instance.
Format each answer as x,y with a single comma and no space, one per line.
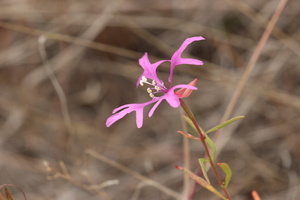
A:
202,139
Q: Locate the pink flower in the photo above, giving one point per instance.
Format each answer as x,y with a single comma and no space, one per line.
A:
150,78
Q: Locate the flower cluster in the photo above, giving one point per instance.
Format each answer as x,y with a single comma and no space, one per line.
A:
156,85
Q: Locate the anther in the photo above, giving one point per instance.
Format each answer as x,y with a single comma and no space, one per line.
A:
153,82
157,88
149,90
151,95
141,82
144,78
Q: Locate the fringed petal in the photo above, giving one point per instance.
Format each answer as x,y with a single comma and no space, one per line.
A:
149,69
118,113
177,60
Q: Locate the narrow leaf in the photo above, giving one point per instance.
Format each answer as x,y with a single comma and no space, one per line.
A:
212,145
202,162
202,182
226,169
224,124
188,135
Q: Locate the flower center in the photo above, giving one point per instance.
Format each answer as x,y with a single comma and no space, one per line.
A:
154,85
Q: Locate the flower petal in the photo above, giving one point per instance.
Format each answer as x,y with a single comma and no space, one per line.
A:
128,108
172,98
155,106
149,69
177,60
183,86
112,119
120,108
139,118
189,61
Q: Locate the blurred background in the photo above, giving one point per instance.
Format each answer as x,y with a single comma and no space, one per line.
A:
52,128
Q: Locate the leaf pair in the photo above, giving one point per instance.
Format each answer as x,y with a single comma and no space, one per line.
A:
202,182
202,161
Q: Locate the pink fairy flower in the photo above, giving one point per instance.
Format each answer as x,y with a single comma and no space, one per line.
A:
168,93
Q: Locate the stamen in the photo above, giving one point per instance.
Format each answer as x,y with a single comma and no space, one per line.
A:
153,83
141,82
144,80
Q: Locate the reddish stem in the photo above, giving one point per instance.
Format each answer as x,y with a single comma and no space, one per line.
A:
202,139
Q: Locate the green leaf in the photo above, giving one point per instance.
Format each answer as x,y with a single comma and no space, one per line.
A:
212,145
202,182
202,162
224,124
226,169
189,121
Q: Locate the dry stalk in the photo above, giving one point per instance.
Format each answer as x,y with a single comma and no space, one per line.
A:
138,176
249,68
95,189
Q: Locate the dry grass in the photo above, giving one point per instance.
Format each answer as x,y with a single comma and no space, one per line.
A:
92,48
